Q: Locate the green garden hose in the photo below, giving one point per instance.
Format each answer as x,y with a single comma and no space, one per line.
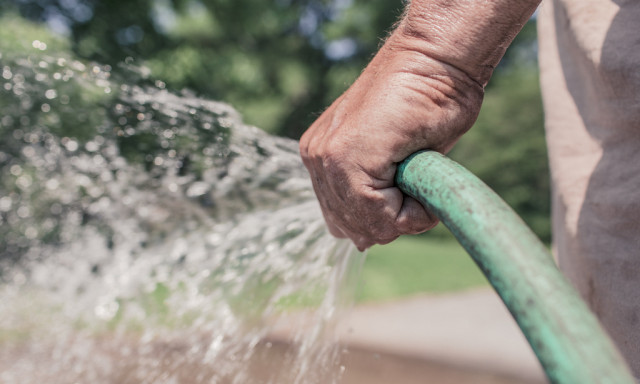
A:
567,338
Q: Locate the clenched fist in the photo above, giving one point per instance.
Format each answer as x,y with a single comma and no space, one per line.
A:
422,90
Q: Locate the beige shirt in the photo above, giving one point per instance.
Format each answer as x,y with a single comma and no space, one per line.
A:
590,77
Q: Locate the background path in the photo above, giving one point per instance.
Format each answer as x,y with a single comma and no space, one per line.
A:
473,330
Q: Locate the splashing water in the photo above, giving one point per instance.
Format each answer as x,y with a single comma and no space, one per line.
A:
151,237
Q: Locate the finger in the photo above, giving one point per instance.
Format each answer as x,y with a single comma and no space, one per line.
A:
318,187
329,219
414,218
362,242
385,204
386,241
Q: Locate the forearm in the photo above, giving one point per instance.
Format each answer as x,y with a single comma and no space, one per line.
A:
469,35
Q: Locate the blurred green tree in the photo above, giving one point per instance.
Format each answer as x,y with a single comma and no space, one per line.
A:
506,147
278,62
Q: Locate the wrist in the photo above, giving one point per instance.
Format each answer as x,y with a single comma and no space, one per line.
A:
433,102
470,36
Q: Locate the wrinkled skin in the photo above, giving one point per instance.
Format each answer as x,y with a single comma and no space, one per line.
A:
404,101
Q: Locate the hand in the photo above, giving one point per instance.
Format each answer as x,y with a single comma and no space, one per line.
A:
422,90
404,101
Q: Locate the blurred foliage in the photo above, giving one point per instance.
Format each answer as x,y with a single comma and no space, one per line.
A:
281,62
278,62
506,148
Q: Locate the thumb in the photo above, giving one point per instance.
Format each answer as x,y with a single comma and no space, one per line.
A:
414,218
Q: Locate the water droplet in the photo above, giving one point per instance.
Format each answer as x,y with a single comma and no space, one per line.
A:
28,151
91,146
102,83
23,212
32,138
197,189
18,79
15,170
6,73
52,184
7,121
78,66
37,44
24,181
98,160
45,107
107,309
5,203
71,145
50,94
31,233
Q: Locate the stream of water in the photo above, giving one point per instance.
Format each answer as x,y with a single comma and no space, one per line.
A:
148,236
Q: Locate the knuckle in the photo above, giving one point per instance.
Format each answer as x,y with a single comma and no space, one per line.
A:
333,155
303,147
387,241
381,230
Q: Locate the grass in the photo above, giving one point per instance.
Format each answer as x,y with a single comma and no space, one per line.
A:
417,264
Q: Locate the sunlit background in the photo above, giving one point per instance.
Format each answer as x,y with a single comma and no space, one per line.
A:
279,63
